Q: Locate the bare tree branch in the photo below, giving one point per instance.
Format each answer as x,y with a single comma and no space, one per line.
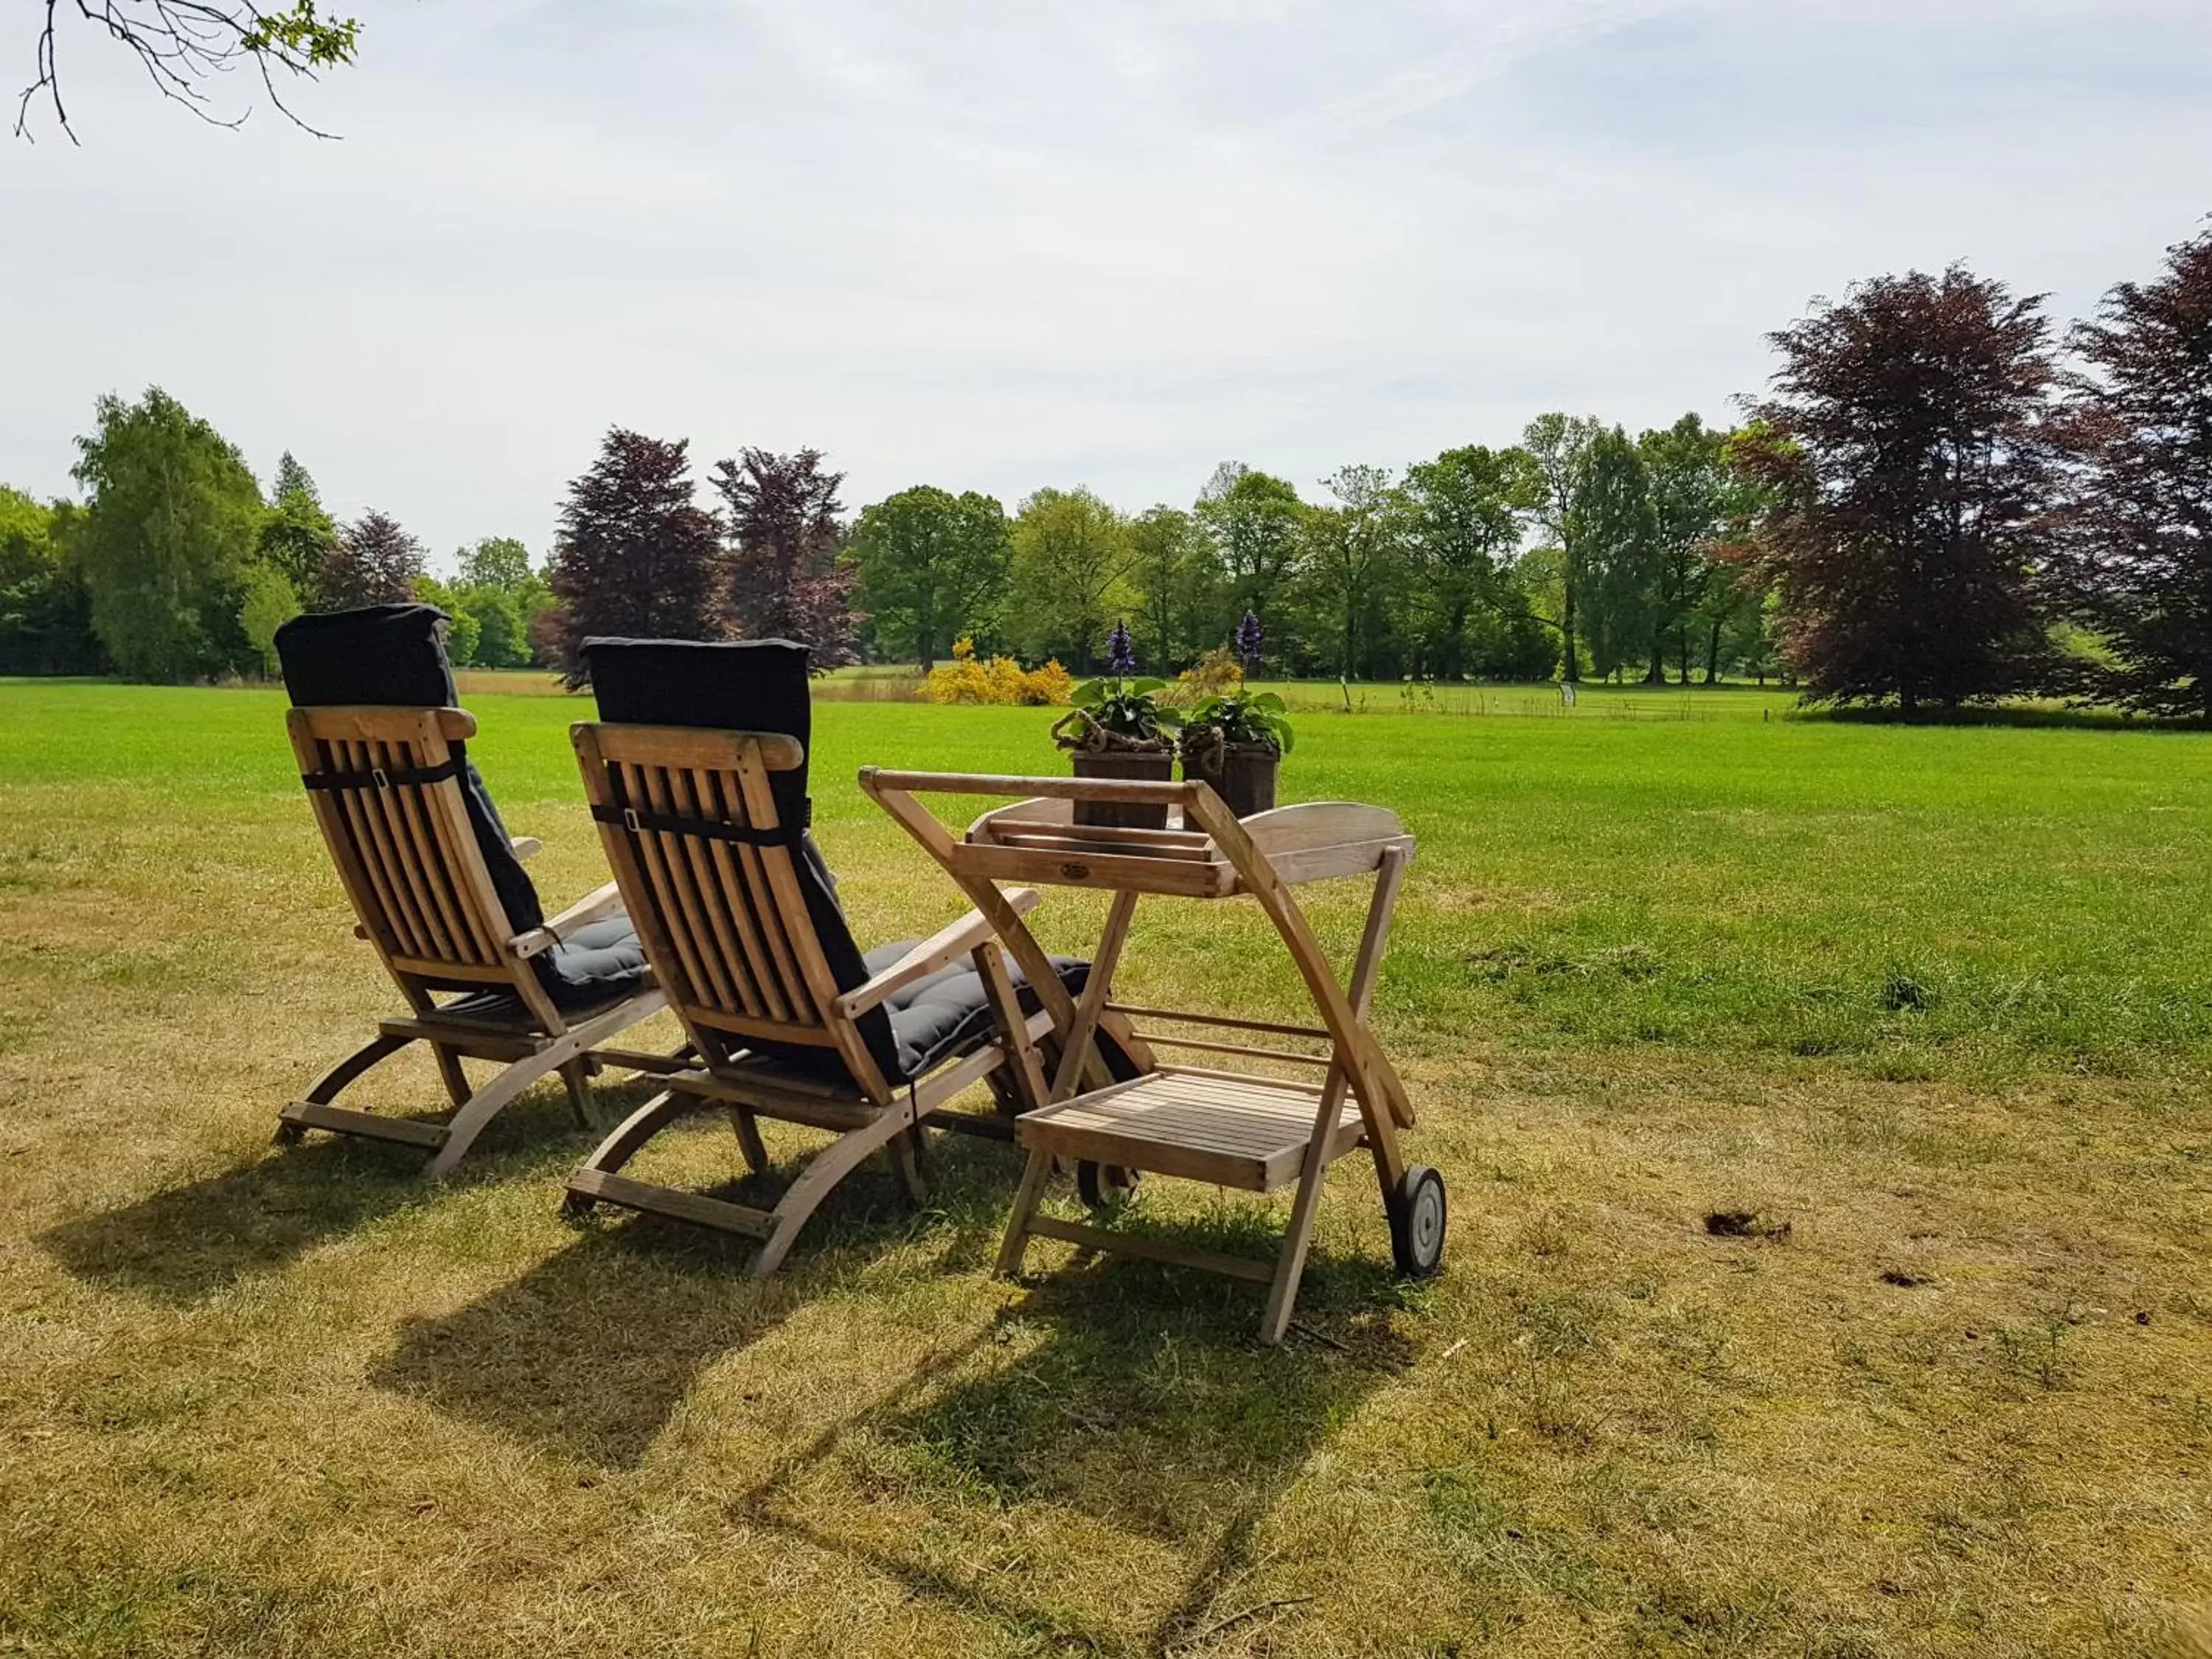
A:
182,44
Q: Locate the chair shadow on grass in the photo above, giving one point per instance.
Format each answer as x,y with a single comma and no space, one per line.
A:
185,1242
1135,1394
590,1353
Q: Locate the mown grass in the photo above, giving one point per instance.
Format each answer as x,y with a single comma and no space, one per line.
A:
1937,997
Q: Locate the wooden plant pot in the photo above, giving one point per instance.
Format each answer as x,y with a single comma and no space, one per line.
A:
1241,774
1147,766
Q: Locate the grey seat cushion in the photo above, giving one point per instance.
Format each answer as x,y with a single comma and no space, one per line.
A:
948,1015
596,964
593,969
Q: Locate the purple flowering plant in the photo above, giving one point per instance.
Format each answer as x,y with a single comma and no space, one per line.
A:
1119,709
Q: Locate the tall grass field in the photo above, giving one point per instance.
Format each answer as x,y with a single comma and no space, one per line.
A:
1933,1005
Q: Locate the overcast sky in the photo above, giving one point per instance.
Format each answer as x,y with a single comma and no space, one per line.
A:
1002,245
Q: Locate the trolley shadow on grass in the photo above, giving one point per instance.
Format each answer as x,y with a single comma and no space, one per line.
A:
1132,1393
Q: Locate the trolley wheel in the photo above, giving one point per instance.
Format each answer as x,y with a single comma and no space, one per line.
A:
1417,1222
1101,1184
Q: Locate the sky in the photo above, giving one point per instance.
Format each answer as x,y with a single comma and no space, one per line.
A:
1014,243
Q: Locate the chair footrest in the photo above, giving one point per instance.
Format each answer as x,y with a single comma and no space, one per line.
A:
1151,1249
308,1114
672,1201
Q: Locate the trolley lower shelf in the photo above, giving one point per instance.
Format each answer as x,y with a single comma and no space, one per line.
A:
1244,1132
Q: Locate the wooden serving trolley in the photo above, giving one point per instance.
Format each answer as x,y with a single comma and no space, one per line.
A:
1239,1128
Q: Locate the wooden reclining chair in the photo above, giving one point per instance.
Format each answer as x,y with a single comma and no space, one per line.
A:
697,778
439,888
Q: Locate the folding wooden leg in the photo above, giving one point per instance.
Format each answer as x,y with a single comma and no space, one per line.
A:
1034,1175
577,1076
1313,1176
905,1163
747,1127
449,1071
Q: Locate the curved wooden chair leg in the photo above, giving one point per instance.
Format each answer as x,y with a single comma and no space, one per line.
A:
627,1140
749,1141
821,1175
328,1086
488,1102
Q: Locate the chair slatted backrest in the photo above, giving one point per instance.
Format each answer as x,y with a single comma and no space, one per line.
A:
705,862
386,784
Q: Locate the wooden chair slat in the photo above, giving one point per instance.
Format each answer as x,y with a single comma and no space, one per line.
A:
695,988
381,858
708,892
721,797
691,916
419,854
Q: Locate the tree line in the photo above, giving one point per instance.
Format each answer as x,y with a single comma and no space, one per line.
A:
1942,499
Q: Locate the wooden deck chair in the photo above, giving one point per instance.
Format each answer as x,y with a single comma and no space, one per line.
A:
697,777
438,888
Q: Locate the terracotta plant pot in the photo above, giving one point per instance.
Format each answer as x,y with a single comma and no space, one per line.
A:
1145,765
1241,774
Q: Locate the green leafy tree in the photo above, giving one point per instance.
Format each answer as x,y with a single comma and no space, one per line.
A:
1689,489
266,602
172,528
1352,554
1466,513
1071,580
930,563
1613,530
45,615
297,535
1252,521
1559,446
502,627
499,562
1177,580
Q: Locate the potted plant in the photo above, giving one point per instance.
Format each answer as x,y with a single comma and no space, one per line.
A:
1119,728
1236,742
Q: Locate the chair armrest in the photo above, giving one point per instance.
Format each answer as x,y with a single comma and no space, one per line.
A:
594,907
525,847
940,949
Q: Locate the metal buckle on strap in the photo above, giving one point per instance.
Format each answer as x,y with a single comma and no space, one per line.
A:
630,822
377,776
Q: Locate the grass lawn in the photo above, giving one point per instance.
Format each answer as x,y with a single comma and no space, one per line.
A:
1940,999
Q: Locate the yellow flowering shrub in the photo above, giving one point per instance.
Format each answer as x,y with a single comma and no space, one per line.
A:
970,678
1216,674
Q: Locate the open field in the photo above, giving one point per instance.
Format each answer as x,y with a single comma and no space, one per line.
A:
1941,998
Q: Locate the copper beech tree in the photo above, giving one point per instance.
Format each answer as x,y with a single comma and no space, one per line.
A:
1907,454
634,554
2136,525
786,576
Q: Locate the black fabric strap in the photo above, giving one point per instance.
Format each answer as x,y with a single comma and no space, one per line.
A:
383,777
637,820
